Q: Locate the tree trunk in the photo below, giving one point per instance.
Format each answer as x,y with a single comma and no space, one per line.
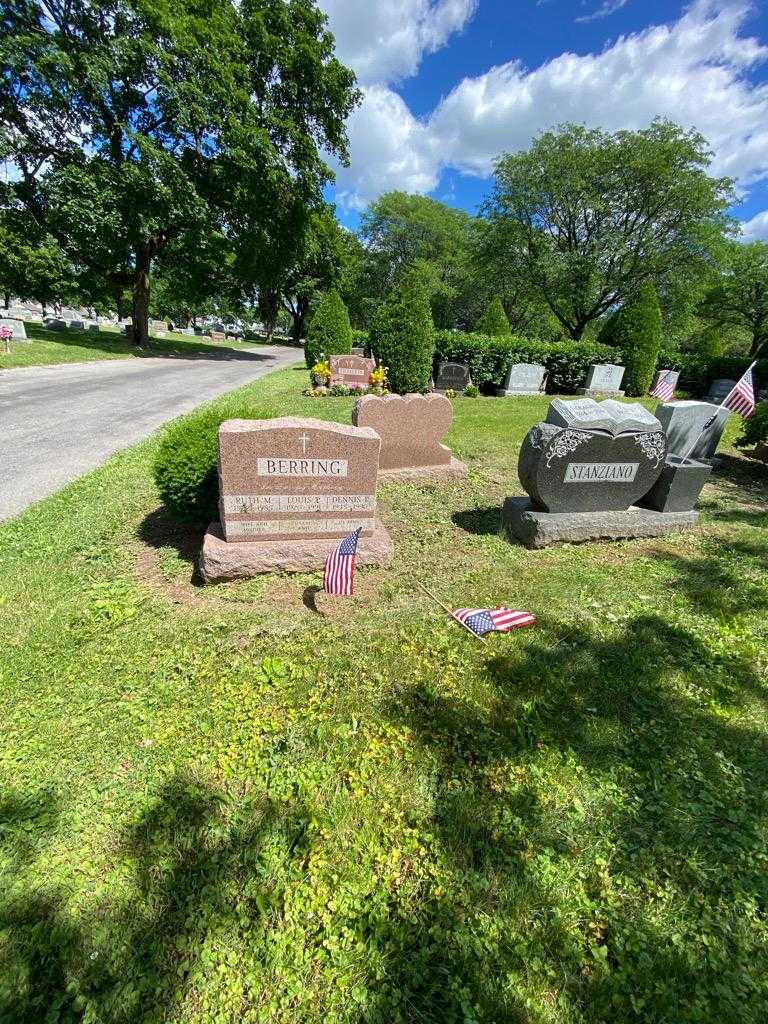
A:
7,300
140,305
299,320
759,341
269,307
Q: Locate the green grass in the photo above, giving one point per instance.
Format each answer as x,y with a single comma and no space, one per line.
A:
220,804
48,348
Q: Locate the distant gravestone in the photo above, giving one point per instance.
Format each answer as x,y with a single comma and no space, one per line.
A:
351,371
524,379
452,377
218,336
665,384
54,323
159,327
17,326
290,489
77,325
692,428
603,379
719,390
411,428
762,395
94,328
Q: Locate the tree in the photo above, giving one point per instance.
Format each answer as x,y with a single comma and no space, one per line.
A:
636,330
740,297
494,320
318,268
133,125
584,217
403,232
32,265
329,332
402,335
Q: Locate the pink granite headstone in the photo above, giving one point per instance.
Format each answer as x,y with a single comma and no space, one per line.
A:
351,371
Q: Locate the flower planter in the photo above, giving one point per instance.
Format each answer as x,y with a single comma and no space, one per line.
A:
679,486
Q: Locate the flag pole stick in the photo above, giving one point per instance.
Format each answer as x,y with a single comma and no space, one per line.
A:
445,608
712,418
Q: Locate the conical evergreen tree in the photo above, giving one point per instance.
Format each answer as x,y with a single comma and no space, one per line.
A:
636,330
329,331
403,335
494,320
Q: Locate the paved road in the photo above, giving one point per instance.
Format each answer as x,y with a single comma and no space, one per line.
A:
57,422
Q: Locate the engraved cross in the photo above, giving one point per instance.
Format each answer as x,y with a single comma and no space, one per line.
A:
304,438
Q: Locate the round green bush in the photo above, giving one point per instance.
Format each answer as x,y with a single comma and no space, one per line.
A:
636,330
402,335
493,322
329,332
755,428
185,467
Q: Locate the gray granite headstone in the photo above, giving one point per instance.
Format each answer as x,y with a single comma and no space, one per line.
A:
55,324
603,379
720,389
684,424
452,377
596,457
524,379
762,395
77,325
17,326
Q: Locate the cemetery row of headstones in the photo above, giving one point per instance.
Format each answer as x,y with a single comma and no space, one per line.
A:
291,488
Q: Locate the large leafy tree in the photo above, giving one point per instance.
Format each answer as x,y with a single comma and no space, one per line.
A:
584,217
32,264
133,125
318,268
739,299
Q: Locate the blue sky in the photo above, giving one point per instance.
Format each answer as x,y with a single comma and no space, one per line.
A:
449,84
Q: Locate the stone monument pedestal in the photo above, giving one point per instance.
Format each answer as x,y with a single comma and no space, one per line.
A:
599,393
453,470
538,529
221,562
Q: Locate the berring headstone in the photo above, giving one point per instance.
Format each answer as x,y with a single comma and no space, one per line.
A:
290,490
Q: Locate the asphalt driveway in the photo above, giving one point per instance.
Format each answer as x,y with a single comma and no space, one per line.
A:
57,422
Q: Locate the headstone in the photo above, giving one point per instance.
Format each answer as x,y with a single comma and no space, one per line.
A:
290,489
352,371
684,424
158,326
599,464
94,328
358,350
218,336
77,325
603,379
411,428
720,389
762,395
524,379
452,377
17,326
54,323
586,469
679,486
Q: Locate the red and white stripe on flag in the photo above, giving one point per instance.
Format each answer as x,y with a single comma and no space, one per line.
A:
663,389
339,576
743,398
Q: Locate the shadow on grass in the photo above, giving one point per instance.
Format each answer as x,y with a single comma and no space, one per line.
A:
158,530
683,798
172,347
186,858
480,521
740,470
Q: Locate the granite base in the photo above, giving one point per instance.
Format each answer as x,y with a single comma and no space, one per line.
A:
536,529
598,393
453,470
221,562
518,392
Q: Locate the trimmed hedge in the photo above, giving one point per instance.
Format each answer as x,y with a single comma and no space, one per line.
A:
186,464
755,428
489,358
329,332
636,330
697,371
402,335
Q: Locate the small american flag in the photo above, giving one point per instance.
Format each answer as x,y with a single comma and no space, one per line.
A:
485,620
742,399
664,388
339,574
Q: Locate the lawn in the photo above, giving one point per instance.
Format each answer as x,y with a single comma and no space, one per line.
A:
251,803
47,348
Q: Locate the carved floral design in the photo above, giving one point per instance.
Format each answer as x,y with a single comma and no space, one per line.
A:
565,443
653,446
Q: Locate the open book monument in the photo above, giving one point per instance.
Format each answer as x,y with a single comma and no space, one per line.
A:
587,468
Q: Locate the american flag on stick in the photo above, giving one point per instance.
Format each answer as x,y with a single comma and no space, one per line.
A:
339,576
664,388
743,397
488,620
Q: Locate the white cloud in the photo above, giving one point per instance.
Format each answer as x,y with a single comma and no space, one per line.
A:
384,40
692,71
755,229
606,8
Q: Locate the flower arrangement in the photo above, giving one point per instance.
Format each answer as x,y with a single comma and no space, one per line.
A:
378,378
321,373
6,334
